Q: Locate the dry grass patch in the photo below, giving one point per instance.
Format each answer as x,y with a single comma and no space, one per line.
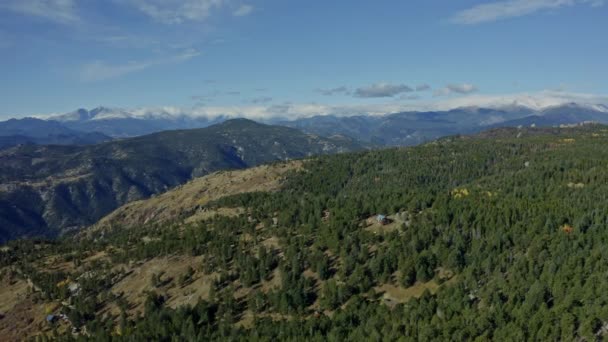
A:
393,294
12,292
139,280
185,199
401,295
99,256
56,263
248,316
209,214
273,283
272,243
23,321
308,273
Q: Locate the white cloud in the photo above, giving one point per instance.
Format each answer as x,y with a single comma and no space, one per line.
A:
294,111
499,10
60,11
463,88
177,11
243,10
99,70
537,101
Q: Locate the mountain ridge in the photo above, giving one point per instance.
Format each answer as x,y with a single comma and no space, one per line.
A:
44,132
390,129
53,189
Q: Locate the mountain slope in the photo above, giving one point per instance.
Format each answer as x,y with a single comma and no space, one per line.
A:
121,123
568,114
185,201
50,189
412,128
409,128
35,131
496,236
393,129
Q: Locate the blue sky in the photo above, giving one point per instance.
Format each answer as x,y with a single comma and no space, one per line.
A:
264,56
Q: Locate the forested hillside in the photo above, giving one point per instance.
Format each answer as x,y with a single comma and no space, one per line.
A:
499,236
48,190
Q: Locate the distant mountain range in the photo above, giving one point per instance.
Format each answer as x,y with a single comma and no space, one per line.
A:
567,114
405,128
121,123
48,190
44,132
51,189
411,128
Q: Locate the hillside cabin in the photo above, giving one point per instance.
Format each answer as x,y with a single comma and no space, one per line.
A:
382,219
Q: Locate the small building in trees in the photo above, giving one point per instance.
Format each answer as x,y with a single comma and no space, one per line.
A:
382,219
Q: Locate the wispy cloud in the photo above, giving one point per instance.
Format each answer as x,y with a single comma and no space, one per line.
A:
214,94
262,99
60,11
499,10
243,10
423,87
342,90
129,41
409,97
177,11
463,88
99,70
200,98
382,90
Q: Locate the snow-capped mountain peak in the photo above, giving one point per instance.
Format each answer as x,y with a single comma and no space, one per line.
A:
572,106
99,113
